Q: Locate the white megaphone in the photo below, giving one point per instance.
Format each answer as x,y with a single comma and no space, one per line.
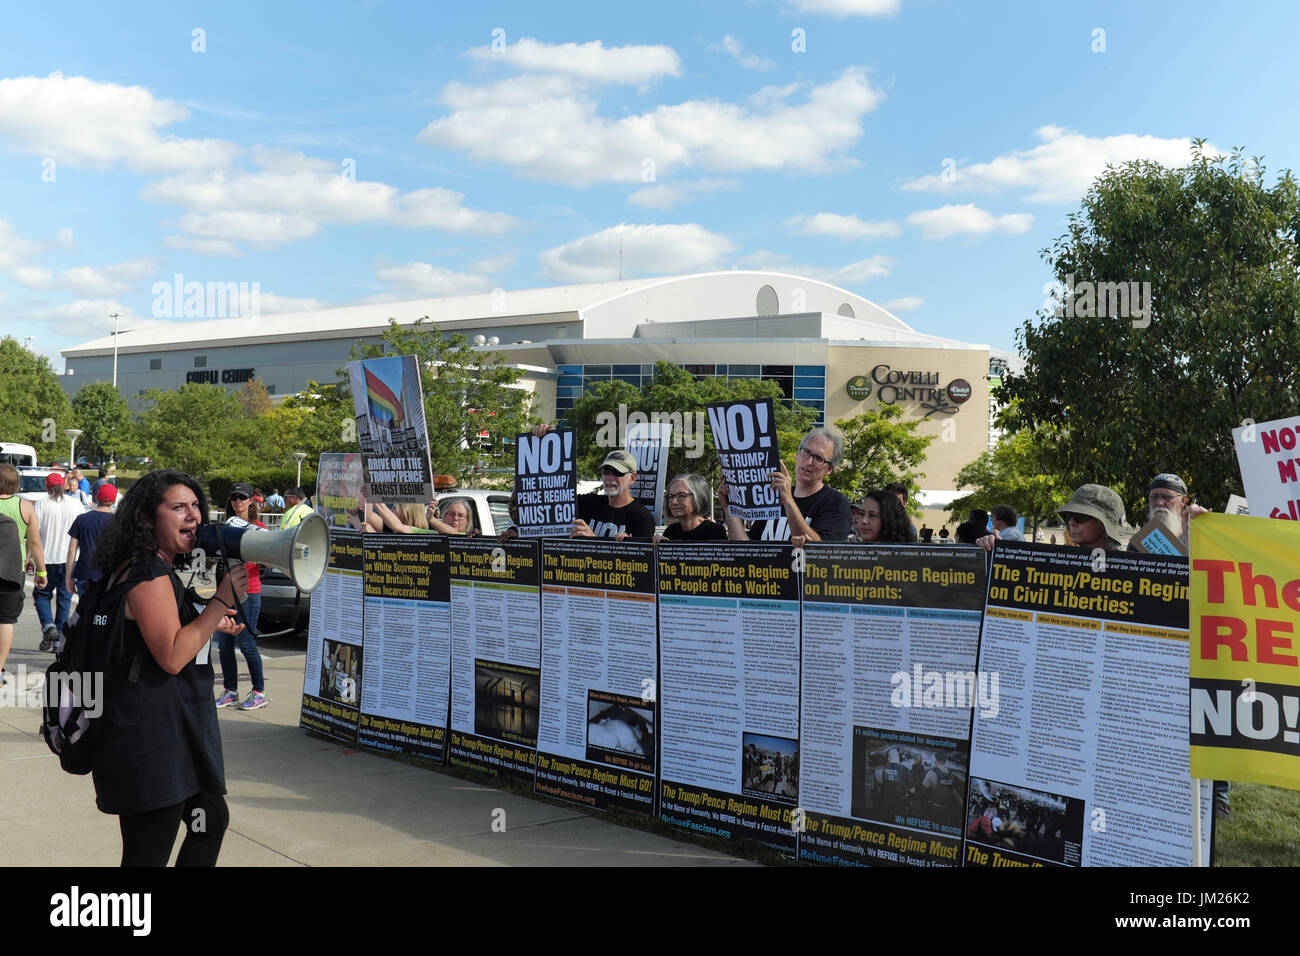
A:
301,552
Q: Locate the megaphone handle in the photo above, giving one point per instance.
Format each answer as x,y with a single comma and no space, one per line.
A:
222,569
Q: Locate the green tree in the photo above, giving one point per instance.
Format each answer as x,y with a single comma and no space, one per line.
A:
676,395
466,392
34,409
254,399
1021,471
104,417
1162,391
193,429
320,419
879,448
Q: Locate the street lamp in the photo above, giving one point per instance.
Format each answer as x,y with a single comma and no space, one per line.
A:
115,316
300,455
72,434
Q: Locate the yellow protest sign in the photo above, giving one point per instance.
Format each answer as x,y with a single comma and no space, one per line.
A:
1245,666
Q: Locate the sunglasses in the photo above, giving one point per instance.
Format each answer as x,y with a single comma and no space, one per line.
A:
239,497
608,470
1076,518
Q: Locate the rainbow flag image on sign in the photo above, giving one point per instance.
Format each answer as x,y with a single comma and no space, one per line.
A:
385,406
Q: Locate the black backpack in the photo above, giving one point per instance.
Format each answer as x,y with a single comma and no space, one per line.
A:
76,683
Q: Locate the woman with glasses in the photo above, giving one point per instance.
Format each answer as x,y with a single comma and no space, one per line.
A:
242,510
458,516
688,501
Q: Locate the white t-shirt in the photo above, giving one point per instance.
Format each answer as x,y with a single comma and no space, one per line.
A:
55,519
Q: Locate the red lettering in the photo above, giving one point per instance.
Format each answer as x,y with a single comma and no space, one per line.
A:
1250,582
1291,595
1286,470
1267,643
1217,571
1229,632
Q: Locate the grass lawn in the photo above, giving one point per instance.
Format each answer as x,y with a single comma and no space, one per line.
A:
1264,829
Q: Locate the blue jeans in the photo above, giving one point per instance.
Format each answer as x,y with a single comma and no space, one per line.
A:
55,581
247,645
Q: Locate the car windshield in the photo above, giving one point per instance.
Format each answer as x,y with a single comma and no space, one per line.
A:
33,483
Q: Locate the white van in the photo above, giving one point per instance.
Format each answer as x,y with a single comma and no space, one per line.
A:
20,456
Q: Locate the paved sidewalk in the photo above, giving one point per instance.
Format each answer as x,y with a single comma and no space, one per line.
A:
297,800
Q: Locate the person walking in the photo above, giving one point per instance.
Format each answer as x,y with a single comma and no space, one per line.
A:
83,540
55,512
242,509
11,587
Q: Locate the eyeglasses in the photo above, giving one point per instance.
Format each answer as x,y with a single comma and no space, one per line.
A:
1164,497
815,457
681,497
1075,518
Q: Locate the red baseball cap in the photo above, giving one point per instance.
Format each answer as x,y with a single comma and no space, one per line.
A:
52,479
106,494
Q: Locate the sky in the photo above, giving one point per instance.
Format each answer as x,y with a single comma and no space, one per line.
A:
920,153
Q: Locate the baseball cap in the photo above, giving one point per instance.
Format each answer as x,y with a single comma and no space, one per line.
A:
1169,482
106,494
52,479
241,490
620,461
1100,502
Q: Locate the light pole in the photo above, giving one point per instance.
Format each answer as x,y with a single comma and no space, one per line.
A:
72,434
115,316
300,455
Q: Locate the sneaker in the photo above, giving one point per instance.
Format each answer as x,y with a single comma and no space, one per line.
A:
255,700
49,638
228,698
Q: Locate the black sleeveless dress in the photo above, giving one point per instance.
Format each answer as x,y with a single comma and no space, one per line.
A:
159,743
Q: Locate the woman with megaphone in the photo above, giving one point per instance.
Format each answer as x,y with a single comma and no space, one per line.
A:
241,511
157,761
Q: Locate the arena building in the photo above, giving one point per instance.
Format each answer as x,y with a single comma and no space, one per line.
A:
826,348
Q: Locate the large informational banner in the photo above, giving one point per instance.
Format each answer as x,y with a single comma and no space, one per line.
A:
744,434
729,691
890,634
598,726
388,399
408,645
1084,762
1245,676
339,480
495,655
546,484
649,443
332,676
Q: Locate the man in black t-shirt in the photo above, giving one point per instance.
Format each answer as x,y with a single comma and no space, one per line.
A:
814,511
614,513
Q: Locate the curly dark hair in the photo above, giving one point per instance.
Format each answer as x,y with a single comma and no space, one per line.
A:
895,526
130,536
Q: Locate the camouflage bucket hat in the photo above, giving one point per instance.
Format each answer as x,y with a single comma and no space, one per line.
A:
1100,502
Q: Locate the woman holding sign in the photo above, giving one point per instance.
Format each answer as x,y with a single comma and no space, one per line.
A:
878,518
688,500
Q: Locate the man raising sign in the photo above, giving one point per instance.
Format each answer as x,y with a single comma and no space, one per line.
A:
814,511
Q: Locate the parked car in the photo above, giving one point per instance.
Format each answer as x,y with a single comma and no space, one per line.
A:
491,508
33,482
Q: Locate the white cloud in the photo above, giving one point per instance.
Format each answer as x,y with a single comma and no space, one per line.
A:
84,122
906,304
587,61
203,247
863,270
292,195
1061,168
749,61
665,196
850,8
425,279
85,318
843,227
550,128
967,220
272,304
110,280
494,264
34,277
646,250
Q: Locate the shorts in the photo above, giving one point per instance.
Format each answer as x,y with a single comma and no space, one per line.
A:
11,602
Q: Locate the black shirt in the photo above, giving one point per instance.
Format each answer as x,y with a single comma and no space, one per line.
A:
706,530
608,522
826,511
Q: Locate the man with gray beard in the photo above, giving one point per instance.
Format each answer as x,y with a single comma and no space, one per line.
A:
1167,499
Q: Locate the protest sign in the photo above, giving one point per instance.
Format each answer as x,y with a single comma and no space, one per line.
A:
889,682
339,479
1158,536
388,400
729,695
1245,671
1270,466
1236,506
648,443
332,677
1084,762
744,434
408,645
597,737
495,655
546,484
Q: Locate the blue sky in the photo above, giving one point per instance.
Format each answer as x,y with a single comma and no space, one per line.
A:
918,152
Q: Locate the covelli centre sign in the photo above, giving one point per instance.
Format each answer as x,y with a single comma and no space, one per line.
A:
893,385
